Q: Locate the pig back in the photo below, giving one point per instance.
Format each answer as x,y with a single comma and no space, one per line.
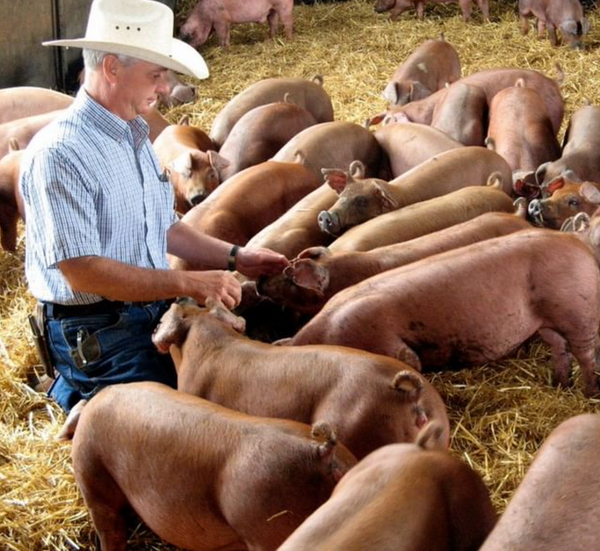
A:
26,101
307,94
333,145
559,490
409,144
423,218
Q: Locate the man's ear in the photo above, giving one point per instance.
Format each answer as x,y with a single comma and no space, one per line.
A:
110,68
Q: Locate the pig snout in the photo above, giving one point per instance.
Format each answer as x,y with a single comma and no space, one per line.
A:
534,210
329,222
197,199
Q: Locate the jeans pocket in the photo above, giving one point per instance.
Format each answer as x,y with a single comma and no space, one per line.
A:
87,338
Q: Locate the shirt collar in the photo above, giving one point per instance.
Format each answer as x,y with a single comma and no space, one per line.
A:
109,123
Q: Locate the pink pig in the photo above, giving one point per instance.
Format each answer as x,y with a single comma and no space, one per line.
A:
220,14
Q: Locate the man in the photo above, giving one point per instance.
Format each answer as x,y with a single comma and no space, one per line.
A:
100,218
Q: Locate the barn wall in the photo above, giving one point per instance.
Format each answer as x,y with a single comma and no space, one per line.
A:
25,24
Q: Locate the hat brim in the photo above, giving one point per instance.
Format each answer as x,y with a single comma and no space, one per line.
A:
184,59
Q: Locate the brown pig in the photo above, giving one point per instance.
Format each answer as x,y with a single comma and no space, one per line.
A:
566,15
308,94
316,274
474,305
361,199
261,133
557,505
407,145
402,497
226,480
11,206
491,81
424,217
25,101
189,160
156,122
250,201
520,129
333,144
390,401
567,197
429,68
297,229
581,149
221,14
397,7
23,130
462,114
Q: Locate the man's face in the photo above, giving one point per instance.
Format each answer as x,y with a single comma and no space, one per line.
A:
138,86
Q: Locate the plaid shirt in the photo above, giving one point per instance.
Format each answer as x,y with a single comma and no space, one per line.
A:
90,184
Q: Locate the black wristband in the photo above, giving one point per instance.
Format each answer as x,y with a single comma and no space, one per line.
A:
232,258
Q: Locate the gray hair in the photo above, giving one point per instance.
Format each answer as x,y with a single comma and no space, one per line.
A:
93,58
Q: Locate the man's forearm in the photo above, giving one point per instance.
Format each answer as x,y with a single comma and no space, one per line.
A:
115,280
201,251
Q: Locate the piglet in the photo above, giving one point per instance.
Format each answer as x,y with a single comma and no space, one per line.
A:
199,475
221,14
402,497
430,67
566,15
188,157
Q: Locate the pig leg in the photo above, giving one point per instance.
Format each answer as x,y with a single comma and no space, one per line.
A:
106,504
420,10
273,19
465,7
8,226
485,8
560,356
524,24
552,34
286,18
589,363
541,28
222,29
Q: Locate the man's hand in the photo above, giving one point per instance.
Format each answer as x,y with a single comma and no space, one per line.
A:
256,262
213,283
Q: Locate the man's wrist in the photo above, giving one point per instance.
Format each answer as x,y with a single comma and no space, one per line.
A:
232,258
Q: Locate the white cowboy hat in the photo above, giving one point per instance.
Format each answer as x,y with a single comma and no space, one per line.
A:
142,29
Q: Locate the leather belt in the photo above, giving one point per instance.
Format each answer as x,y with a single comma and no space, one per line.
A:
61,311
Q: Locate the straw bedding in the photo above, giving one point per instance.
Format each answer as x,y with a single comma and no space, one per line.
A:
500,413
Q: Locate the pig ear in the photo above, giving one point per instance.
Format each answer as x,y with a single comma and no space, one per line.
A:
217,161
171,330
540,173
495,180
431,437
580,222
308,274
418,91
324,434
314,253
336,179
408,385
569,26
555,184
387,201
391,93
590,193
218,309
376,119
357,169
183,165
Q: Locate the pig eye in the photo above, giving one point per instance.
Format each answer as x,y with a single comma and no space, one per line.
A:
573,202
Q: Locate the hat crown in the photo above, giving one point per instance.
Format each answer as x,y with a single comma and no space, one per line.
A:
137,23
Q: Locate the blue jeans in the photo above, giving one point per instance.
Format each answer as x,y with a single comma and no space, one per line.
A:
92,352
